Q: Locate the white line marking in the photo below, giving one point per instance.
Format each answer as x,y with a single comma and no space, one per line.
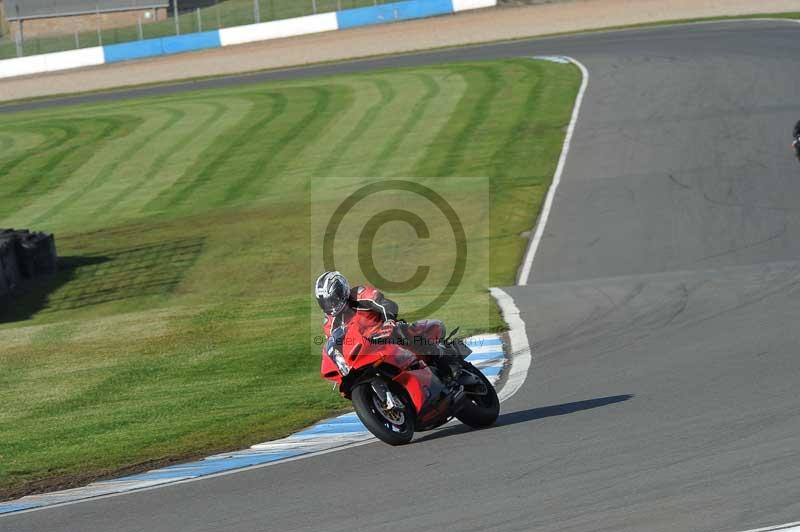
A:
527,263
520,355
195,479
788,527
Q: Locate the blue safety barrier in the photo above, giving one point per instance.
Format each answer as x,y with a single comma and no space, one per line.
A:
365,16
191,41
164,45
132,50
350,18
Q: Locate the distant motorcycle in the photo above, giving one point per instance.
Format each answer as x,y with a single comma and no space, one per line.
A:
396,392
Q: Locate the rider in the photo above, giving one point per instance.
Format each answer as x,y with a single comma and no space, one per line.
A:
341,304
796,143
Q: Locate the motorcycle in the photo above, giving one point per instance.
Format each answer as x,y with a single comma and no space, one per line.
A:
397,393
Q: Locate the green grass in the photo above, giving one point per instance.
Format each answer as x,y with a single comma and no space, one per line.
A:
179,322
223,14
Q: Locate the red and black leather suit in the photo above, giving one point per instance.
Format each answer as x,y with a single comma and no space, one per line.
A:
375,316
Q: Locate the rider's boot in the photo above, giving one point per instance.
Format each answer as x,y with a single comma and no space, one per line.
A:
445,363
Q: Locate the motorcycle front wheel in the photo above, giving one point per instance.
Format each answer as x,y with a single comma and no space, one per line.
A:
393,426
481,405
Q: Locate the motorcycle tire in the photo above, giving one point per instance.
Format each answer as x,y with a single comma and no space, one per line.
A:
368,409
479,411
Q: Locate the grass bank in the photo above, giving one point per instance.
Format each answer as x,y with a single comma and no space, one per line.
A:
179,322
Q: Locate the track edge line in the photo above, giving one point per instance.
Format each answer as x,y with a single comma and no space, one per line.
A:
533,244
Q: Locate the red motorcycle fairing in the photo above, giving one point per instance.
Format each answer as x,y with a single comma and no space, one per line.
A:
426,391
360,352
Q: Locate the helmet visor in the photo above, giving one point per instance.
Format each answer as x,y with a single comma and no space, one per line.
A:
334,301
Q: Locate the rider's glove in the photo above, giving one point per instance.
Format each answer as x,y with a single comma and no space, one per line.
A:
385,330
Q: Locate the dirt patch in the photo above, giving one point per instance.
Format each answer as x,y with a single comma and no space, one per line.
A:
467,28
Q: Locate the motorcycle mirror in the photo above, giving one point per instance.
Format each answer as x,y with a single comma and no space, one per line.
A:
338,334
451,335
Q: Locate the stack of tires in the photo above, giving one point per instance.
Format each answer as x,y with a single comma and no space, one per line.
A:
36,253
9,267
25,255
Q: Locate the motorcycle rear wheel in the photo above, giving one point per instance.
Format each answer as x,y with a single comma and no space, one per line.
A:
479,411
394,428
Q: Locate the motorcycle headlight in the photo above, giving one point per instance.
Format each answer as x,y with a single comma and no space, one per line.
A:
337,357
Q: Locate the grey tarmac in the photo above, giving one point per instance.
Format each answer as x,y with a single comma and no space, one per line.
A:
662,311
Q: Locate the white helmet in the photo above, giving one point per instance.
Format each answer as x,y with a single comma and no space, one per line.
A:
332,292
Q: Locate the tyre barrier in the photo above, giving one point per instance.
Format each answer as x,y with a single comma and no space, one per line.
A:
25,255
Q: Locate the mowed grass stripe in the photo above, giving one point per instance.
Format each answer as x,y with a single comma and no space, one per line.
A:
58,164
100,166
45,170
280,152
387,93
52,136
270,106
392,144
7,142
354,144
82,199
361,95
385,121
199,121
347,146
420,135
179,322
483,84
186,153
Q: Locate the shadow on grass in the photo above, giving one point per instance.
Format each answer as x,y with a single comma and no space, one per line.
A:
532,414
32,295
146,270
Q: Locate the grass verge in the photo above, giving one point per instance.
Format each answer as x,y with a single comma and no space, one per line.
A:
179,322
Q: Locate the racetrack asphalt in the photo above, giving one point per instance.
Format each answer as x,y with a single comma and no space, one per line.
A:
662,312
